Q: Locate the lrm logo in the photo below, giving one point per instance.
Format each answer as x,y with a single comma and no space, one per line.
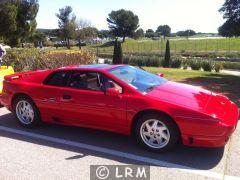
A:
119,172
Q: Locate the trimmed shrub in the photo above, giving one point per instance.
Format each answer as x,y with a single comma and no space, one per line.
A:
231,65
207,66
176,63
32,59
194,64
218,66
142,61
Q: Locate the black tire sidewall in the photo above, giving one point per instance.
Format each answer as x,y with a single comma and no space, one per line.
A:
172,127
36,121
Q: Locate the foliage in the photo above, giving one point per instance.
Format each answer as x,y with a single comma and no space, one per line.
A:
167,59
139,33
218,66
176,63
18,20
32,59
163,30
231,11
207,66
123,23
66,23
195,64
104,34
152,61
117,53
186,33
231,65
150,33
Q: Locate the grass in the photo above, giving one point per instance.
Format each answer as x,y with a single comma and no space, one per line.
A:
177,46
228,85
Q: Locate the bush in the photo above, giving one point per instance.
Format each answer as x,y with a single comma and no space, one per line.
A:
153,61
218,66
207,66
194,64
231,65
176,63
32,59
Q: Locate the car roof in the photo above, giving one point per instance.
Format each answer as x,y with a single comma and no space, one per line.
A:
96,67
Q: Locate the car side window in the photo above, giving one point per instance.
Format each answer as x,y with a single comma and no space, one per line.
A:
109,83
58,79
82,80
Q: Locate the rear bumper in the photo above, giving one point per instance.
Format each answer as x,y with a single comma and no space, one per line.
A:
5,100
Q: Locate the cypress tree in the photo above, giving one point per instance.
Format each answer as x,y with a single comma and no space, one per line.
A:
117,53
120,54
167,59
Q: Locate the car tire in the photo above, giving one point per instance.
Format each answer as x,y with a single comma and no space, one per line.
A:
26,112
156,132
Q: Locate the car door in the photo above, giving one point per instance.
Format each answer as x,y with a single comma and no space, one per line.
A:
84,102
49,95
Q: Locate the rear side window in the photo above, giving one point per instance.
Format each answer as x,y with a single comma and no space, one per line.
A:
89,81
58,79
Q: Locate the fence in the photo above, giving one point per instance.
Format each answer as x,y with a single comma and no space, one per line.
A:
225,45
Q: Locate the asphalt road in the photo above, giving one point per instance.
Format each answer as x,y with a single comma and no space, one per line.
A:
57,152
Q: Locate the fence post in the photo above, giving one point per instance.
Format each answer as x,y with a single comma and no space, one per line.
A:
229,45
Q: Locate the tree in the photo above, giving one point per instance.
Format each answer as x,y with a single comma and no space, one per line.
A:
164,30
167,59
150,33
117,53
104,34
186,33
37,37
18,20
231,12
66,23
123,23
139,33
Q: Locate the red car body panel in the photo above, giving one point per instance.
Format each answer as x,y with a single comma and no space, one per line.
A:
203,118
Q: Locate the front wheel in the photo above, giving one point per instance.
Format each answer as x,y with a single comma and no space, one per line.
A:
26,112
156,132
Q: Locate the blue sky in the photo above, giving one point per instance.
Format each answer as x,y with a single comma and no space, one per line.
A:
199,15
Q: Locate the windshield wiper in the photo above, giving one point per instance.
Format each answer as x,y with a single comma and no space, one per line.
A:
150,88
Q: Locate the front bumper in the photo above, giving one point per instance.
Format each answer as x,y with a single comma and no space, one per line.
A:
209,141
213,134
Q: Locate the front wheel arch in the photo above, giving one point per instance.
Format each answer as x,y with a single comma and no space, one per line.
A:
151,111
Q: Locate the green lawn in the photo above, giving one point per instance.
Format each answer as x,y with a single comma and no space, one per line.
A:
228,85
177,45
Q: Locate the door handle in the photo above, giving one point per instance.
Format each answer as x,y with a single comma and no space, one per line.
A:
67,97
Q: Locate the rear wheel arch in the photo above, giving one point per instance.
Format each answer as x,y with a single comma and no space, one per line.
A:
151,111
18,95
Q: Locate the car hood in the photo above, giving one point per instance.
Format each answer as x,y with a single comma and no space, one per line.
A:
181,94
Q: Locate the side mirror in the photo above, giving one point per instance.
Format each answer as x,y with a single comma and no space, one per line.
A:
112,92
160,74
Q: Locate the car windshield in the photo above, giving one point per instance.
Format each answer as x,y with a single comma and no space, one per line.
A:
141,80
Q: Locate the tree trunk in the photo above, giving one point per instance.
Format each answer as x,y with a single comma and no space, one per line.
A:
124,37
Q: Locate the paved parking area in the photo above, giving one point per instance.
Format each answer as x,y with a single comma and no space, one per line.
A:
57,152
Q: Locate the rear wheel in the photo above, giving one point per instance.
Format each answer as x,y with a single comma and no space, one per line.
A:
156,132
26,112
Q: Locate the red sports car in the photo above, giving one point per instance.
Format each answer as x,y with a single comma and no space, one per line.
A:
122,99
